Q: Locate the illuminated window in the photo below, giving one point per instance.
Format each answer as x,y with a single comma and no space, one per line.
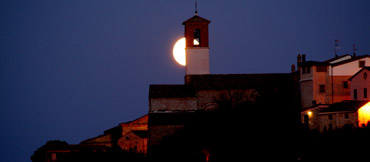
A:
196,37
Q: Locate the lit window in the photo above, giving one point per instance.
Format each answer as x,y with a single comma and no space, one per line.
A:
196,37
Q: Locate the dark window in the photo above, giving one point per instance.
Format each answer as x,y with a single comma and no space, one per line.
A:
313,102
346,116
308,69
345,84
321,68
355,94
196,37
322,88
365,92
361,64
305,119
330,117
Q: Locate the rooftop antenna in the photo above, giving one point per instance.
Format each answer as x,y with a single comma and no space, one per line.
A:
354,50
336,48
196,8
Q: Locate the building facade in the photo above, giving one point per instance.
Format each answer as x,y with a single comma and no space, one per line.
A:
327,82
129,136
360,84
330,117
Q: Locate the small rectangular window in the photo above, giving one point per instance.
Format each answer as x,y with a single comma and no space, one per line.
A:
365,92
361,64
355,94
313,102
330,117
345,84
305,118
346,116
322,88
196,41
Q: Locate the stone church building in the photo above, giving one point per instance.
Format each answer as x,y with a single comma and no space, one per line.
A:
171,106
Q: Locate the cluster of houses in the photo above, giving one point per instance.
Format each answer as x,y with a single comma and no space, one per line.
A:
328,95
333,91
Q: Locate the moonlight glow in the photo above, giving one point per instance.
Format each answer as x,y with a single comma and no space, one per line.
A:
179,52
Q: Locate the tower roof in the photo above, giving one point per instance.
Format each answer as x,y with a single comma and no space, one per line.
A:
196,19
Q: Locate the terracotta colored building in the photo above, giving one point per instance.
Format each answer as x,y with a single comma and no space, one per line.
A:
129,136
360,84
330,117
327,82
135,135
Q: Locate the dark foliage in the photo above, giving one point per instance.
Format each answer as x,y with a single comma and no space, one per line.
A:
248,131
78,153
39,154
344,144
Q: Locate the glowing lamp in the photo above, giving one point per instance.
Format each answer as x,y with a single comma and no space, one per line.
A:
364,115
309,113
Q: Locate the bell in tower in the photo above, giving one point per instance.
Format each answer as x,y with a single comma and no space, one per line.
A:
196,48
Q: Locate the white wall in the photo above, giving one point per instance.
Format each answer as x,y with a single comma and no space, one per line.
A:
197,60
350,68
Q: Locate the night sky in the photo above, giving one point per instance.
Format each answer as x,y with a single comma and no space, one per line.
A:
71,69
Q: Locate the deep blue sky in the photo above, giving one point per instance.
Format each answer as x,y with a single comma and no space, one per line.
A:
71,69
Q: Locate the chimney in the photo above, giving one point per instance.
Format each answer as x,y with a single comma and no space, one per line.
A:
299,58
303,58
293,68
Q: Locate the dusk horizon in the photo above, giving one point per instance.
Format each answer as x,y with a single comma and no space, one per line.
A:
72,70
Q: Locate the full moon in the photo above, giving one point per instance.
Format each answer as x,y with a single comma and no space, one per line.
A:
179,52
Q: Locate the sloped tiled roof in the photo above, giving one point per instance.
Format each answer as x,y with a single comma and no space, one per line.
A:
350,60
364,68
197,19
348,105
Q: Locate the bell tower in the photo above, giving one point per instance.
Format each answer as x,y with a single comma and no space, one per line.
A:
196,48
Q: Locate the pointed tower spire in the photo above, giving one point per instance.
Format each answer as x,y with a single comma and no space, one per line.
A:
196,8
